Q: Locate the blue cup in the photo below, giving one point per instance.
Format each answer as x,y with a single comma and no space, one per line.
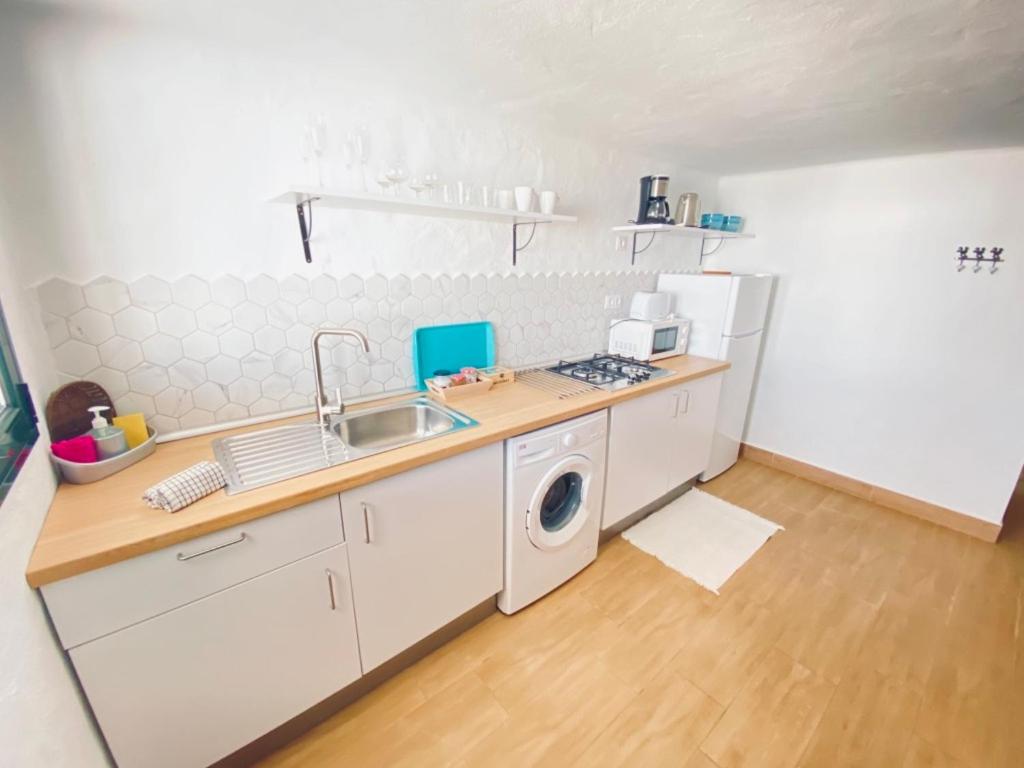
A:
733,223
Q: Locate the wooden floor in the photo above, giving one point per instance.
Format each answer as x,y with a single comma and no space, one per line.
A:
856,637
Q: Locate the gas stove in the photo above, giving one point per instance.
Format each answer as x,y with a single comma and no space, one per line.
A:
609,371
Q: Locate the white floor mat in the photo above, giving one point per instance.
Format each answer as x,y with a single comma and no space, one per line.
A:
703,537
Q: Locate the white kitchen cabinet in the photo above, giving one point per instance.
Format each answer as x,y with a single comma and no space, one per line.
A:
425,547
641,434
657,442
192,685
102,601
694,408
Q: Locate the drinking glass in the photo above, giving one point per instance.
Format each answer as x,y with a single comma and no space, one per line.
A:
417,186
396,174
430,181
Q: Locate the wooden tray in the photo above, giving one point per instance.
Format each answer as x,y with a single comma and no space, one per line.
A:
450,394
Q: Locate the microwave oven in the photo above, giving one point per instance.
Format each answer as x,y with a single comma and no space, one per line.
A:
649,339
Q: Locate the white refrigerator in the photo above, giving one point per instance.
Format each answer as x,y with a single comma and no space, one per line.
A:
727,313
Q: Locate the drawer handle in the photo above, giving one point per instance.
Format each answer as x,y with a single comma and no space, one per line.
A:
182,557
330,588
367,535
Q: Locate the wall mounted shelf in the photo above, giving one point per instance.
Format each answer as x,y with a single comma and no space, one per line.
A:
304,197
671,229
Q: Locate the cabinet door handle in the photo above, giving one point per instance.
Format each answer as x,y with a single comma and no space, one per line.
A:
675,412
685,397
182,557
330,588
367,533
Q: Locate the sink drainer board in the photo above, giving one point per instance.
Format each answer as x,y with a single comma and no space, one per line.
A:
261,458
554,384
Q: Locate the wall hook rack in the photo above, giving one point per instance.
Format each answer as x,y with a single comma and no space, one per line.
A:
995,258
302,198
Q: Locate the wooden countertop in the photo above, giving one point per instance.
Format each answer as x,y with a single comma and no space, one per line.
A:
91,526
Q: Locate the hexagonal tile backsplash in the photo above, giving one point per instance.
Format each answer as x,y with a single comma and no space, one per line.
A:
195,351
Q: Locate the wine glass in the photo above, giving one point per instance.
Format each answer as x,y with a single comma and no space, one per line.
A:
396,174
417,186
306,148
357,150
384,180
316,131
430,183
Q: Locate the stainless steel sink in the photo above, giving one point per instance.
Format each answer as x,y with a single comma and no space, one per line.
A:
390,427
261,458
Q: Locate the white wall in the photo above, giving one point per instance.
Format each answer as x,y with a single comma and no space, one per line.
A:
148,141
882,362
42,719
160,134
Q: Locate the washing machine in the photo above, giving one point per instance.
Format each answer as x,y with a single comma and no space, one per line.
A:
554,491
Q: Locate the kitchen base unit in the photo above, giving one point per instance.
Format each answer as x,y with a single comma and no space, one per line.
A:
656,443
425,546
191,653
192,685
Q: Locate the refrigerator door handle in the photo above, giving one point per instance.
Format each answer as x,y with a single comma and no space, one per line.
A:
742,335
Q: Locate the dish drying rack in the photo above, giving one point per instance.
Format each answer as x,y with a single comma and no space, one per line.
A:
561,387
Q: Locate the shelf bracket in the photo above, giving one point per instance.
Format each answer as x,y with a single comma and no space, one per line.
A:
306,226
721,242
636,252
516,248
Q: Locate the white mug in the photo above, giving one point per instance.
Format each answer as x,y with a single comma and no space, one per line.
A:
547,201
506,199
524,199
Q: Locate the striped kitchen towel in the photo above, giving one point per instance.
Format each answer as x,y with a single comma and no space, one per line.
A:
190,485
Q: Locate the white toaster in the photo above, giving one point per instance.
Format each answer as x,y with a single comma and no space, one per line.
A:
650,305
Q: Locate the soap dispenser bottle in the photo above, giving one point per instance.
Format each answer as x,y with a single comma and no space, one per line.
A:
110,441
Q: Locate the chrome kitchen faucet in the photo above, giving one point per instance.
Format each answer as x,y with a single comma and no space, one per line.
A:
324,410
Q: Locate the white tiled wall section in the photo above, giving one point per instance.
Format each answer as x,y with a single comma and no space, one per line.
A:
195,351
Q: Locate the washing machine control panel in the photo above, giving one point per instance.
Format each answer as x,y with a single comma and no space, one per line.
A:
545,444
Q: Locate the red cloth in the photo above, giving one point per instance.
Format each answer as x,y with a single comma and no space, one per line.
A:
81,449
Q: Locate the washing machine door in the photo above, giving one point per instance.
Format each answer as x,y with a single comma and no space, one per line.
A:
559,508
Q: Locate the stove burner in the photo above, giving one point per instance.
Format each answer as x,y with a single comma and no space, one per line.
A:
608,371
590,376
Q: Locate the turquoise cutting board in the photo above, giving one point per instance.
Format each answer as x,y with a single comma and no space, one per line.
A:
451,347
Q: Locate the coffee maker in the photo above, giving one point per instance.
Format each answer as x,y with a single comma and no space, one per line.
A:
654,201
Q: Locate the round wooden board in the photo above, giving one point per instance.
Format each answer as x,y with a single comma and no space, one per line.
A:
67,413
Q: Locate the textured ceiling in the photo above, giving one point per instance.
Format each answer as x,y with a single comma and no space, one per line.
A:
721,85
728,85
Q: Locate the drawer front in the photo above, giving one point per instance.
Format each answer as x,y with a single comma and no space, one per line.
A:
96,603
191,686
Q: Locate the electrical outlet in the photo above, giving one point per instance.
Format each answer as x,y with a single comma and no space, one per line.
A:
613,302
621,242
